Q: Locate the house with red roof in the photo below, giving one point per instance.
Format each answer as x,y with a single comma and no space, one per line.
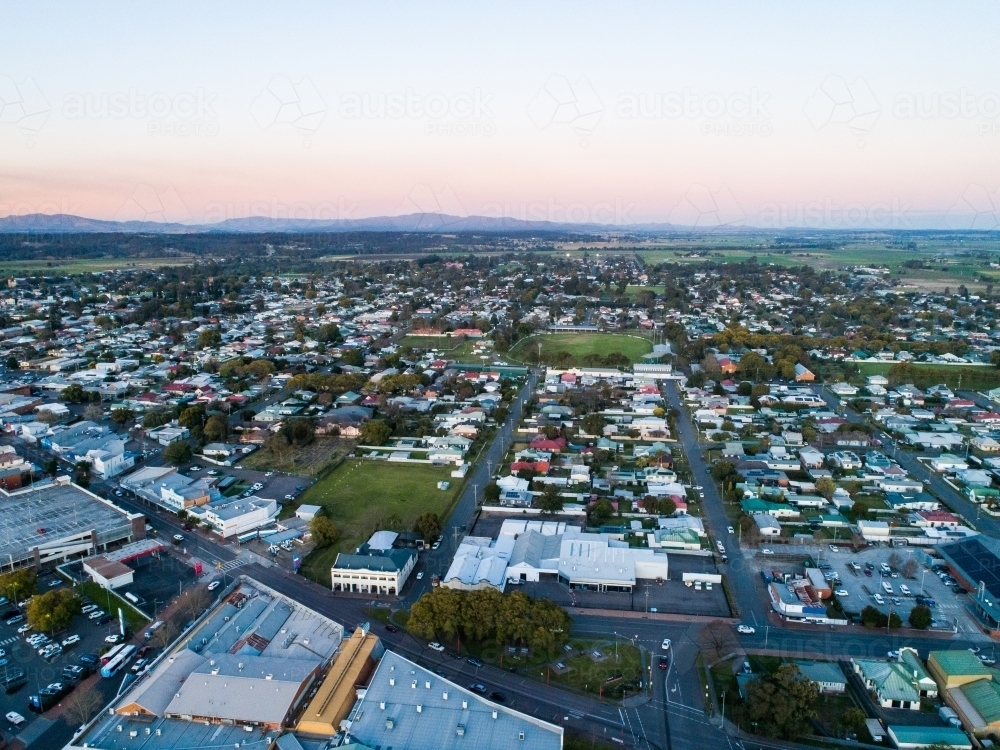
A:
545,444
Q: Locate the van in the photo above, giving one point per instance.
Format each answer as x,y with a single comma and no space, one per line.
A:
152,629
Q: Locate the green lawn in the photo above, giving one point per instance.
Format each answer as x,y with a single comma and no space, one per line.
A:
362,496
623,667
70,266
111,602
430,342
581,345
973,377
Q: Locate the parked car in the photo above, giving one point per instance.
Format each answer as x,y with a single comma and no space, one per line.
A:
91,660
113,639
15,718
15,619
214,585
766,551
391,628
474,662
478,687
747,629
435,646
498,697
139,664
70,641
95,614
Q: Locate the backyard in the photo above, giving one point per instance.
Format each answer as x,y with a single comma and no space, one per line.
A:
363,496
581,347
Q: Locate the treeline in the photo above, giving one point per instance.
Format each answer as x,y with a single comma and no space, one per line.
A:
486,615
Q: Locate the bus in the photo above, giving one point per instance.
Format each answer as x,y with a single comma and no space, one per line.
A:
248,537
111,668
111,654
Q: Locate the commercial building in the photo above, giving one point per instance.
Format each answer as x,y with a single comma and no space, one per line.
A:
58,520
975,563
237,678
373,571
230,518
407,707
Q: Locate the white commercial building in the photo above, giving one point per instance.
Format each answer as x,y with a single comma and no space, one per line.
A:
237,516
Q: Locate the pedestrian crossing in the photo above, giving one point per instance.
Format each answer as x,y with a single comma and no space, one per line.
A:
233,564
7,641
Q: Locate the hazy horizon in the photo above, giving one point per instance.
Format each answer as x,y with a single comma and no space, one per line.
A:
728,115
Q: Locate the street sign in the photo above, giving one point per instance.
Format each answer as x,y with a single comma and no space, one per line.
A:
197,568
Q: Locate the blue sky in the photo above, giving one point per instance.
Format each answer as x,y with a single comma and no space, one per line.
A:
725,113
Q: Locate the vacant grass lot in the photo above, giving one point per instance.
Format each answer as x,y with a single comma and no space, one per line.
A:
580,345
307,460
623,668
110,603
973,377
70,267
361,495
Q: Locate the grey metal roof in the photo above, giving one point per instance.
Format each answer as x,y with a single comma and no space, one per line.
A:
449,716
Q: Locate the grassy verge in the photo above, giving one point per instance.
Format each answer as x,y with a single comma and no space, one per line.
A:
110,602
364,496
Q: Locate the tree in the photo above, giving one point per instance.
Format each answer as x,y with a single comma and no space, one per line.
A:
18,584
600,512
550,500
375,433
208,338
216,428
93,412
723,471
164,635
123,415
826,487
910,568
749,530
491,493
177,452
717,641
324,531
662,506
154,419
191,416
781,704
593,424
74,394
81,706
53,610
852,720
298,432
920,617
428,525
194,602
895,560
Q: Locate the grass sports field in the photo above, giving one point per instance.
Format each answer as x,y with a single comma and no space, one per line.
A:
360,496
580,346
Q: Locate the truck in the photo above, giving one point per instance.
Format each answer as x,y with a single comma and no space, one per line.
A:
948,716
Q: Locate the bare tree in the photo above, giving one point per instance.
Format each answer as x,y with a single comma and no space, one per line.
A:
895,561
717,641
194,602
910,568
164,635
82,705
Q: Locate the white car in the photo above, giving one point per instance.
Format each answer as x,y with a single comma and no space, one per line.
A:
420,575
435,646
15,718
268,473
766,551
88,608
747,629
23,629
893,654
878,599
67,642
905,589
666,644
178,537
842,593
113,639
730,529
214,585
834,548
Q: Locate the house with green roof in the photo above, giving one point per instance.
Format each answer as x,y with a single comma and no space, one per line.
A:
953,669
890,682
827,675
754,506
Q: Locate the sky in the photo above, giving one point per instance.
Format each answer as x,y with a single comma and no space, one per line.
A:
703,114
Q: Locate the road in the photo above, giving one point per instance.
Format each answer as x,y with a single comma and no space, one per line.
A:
437,562
908,460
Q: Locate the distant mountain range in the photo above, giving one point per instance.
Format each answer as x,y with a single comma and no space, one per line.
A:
418,222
